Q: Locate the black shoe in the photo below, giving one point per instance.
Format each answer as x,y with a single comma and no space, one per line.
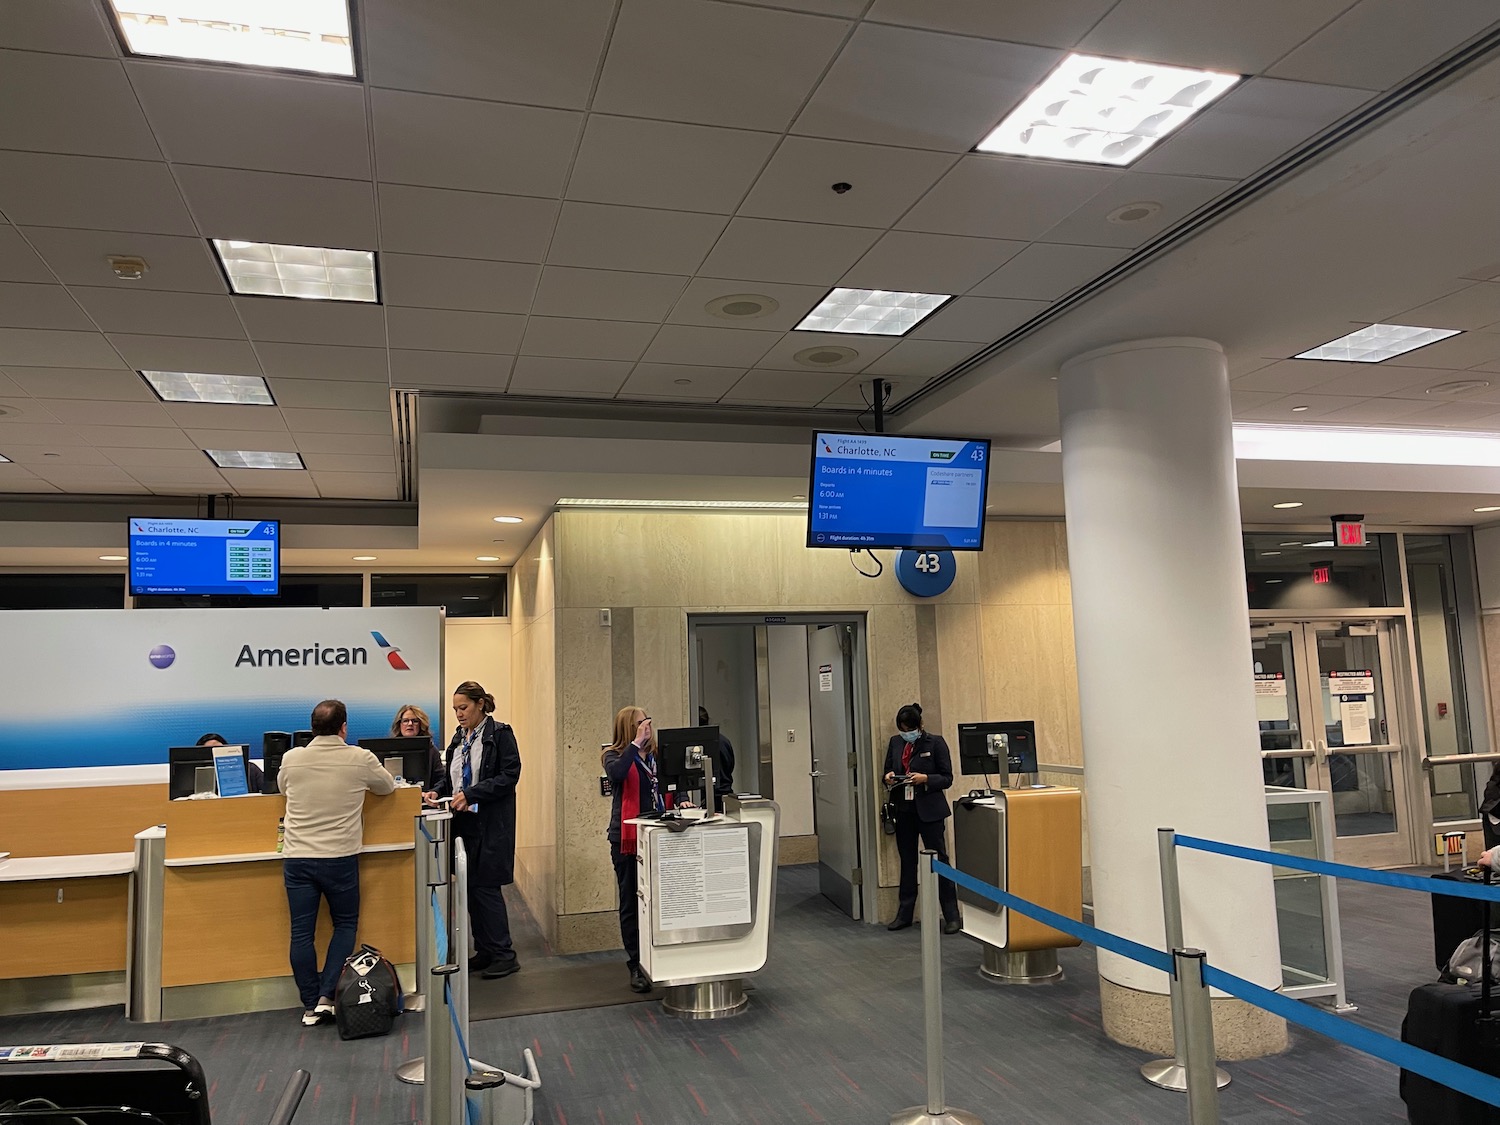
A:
953,925
639,981
900,922
503,968
479,961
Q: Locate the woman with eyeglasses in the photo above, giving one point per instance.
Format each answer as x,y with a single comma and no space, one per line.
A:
630,764
412,722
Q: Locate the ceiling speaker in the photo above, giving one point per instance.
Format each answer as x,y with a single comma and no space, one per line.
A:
742,306
825,355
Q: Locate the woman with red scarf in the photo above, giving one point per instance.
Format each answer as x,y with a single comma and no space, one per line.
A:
918,767
630,763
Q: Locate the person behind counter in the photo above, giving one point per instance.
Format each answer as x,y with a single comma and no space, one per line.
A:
483,767
918,767
630,764
412,722
722,785
325,783
255,778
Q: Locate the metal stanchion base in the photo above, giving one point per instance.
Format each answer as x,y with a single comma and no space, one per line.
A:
414,1071
413,1002
707,1000
1169,1074
921,1115
1032,966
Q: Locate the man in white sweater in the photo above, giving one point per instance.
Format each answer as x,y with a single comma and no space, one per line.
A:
325,783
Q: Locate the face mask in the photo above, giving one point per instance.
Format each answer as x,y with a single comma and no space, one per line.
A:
910,735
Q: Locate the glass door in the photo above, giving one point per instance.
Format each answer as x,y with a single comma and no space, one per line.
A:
1327,719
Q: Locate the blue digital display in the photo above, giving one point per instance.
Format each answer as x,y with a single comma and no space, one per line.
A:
880,490
205,557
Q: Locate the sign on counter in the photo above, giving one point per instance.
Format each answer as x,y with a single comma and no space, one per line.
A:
704,879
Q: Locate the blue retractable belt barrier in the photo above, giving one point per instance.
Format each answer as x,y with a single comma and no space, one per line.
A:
440,932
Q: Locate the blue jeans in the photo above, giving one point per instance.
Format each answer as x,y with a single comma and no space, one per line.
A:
308,880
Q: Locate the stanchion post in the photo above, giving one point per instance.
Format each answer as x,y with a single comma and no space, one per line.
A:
1198,1036
433,858
458,953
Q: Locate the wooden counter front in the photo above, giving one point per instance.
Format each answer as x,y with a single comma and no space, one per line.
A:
57,927
1045,863
82,821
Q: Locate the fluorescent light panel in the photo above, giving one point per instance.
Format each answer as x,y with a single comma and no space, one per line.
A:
1370,446
4,460
309,35
871,312
254,459
1378,342
740,505
315,273
191,386
1104,111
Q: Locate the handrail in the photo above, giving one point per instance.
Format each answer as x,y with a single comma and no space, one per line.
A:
1058,767
1458,760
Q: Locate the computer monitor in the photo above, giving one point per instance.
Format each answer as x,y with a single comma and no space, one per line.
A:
413,752
302,738
997,748
274,745
684,756
183,763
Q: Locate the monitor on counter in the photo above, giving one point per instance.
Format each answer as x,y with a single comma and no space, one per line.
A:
183,763
684,755
997,748
414,755
241,557
894,492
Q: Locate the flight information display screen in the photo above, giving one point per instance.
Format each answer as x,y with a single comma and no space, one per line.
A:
881,490
205,557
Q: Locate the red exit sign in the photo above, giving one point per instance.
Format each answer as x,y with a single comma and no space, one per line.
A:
1323,574
1349,533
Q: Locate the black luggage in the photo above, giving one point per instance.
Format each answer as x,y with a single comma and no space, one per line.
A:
367,998
1455,919
1452,1020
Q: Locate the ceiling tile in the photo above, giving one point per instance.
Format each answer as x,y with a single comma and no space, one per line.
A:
66,383
1377,43
21,408
312,322
47,190
13,478
979,319
181,481
1045,271
89,478
472,145
1249,400
479,370
82,412
1318,406
1178,196
195,417
154,458
1249,127
718,64
920,359
37,433
457,283
794,302
1020,21
236,118
1474,306
869,349
134,437
154,312
921,89
464,224
1237,38
632,238
784,388
67,27
798,253
594,378
357,486
40,458
1372,379
606,294
73,104
710,347
266,207
1456,352
329,394
585,339
996,197
884,182
323,361
18,262
441,330
1373,411
856,393
338,421
544,54
849,8
176,353
22,347
342,443
350,462
261,482
172,261
667,164
928,263
9,388
31,305
1458,415
1289,376
680,381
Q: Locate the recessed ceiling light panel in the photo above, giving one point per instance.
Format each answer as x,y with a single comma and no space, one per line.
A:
1377,342
1490,508
871,312
192,386
314,273
1104,111
1365,445
1288,504
309,35
4,460
509,519
254,459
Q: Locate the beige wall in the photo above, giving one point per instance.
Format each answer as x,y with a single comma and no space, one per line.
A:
478,649
998,644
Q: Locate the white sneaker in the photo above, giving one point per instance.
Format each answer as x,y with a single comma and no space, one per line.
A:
310,1018
324,1012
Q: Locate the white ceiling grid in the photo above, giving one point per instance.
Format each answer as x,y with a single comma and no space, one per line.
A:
557,190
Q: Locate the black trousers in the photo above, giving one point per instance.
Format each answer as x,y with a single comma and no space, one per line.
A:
909,830
630,919
488,916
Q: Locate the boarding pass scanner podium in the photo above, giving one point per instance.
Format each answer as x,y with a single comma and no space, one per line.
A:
1028,841
706,899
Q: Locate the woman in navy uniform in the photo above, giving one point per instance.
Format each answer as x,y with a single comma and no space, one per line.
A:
918,768
630,764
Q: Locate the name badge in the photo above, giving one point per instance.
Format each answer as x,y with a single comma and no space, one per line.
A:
909,793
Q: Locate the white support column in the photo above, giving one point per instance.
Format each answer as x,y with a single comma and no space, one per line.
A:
1162,631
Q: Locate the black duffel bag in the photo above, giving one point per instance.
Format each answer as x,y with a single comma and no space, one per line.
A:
367,998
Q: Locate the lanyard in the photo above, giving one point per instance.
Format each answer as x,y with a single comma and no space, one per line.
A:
648,767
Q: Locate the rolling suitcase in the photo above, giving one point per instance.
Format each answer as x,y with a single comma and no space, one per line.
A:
1456,919
1455,1021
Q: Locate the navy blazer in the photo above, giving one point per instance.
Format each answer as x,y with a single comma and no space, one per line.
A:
929,755
493,789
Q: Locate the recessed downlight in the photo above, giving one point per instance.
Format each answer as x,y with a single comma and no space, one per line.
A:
111,558
825,355
742,306
1300,409
486,558
509,519
1489,508
364,558
1288,504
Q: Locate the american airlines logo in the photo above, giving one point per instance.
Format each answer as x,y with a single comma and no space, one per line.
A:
392,654
314,654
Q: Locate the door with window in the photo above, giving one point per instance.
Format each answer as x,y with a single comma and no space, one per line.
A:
1327,715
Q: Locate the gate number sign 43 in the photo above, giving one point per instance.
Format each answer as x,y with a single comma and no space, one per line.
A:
928,563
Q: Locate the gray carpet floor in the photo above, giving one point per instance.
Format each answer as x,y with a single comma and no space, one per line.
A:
833,1036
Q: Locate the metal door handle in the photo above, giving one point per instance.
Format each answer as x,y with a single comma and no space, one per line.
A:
815,773
1322,751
